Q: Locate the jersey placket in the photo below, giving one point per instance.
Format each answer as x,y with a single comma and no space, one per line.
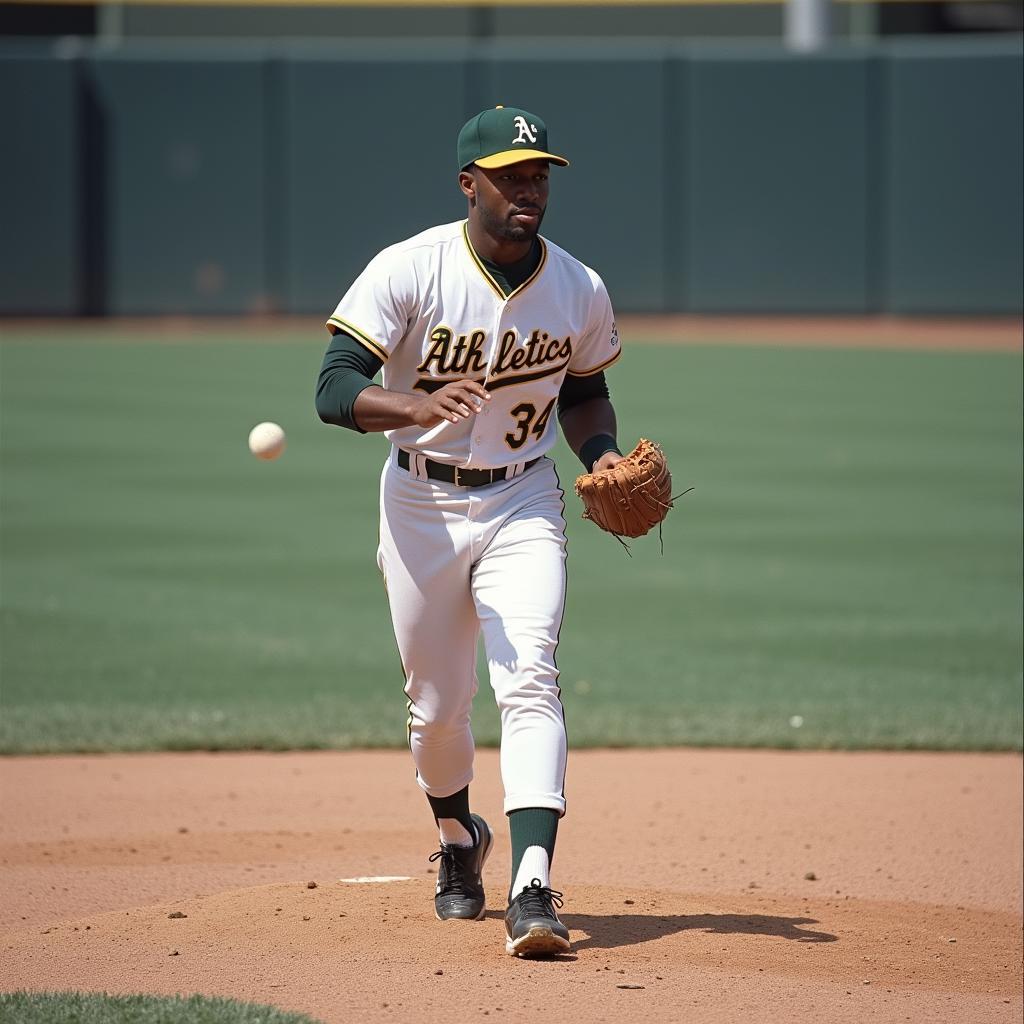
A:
497,295
475,437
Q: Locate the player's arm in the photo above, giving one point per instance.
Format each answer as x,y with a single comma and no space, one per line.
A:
347,396
377,408
587,417
347,370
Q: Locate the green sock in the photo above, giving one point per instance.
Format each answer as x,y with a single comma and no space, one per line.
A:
532,826
455,806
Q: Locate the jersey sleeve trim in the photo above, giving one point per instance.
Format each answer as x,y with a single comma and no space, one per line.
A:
379,351
495,287
595,369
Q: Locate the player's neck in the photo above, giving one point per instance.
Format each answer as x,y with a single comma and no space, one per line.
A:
497,250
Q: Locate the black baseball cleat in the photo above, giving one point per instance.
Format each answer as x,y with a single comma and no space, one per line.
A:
531,924
460,889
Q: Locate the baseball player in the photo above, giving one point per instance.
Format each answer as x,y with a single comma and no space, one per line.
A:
483,330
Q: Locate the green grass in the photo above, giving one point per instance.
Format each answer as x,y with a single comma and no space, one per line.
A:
99,1008
851,555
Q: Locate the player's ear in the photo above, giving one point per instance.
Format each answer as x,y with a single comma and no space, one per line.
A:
467,182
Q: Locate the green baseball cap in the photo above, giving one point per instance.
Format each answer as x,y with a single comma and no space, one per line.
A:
503,136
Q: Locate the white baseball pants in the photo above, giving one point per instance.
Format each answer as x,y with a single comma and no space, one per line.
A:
457,562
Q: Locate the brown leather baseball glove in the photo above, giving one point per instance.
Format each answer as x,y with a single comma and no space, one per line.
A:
631,497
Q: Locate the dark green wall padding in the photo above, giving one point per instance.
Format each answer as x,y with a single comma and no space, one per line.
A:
40,229
366,164
777,201
607,115
186,201
174,179
954,139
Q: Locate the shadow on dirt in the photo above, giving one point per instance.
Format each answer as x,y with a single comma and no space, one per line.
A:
613,930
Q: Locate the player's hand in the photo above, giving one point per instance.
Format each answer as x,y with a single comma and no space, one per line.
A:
458,400
607,461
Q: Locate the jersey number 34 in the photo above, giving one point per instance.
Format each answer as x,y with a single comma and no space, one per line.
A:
528,422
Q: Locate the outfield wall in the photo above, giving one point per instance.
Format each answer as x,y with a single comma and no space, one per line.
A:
200,179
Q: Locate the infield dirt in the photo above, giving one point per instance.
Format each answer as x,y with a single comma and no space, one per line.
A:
702,885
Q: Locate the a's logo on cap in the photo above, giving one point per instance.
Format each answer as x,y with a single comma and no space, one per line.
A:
527,132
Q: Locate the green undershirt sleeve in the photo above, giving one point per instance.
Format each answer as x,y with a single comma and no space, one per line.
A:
348,369
577,390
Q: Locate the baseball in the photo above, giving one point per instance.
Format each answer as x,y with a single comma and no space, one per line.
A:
266,440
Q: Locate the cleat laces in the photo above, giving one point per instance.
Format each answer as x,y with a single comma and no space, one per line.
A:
536,899
451,874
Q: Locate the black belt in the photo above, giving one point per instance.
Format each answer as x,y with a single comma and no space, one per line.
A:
461,477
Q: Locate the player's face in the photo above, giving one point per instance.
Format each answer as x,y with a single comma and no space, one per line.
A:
510,201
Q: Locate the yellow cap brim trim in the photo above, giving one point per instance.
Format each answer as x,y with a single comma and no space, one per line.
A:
517,156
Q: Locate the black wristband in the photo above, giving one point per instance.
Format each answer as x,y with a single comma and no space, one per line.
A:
592,450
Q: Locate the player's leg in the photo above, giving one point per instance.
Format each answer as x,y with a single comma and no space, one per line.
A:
424,557
426,576
519,588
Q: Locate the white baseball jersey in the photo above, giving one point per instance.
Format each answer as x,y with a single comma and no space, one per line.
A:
428,308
